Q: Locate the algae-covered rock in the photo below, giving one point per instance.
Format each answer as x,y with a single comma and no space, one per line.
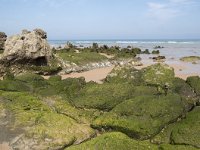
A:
184,132
33,81
55,78
103,97
13,85
158,74
192,59
186,92
125,75
41,127
142,117
68,87
187,130
176,147
114,141
194,82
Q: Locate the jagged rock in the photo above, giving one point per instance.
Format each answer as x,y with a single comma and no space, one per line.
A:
28,47
3,38
28,51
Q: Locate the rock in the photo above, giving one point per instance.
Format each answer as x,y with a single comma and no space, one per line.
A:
103,97
158,47
114,141
194,82
3,38
184,132
143,116
159,58
160,75
41,127
155,52
125,74
191,59
28,47
29,52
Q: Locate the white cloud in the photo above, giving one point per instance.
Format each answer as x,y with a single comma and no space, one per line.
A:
166,11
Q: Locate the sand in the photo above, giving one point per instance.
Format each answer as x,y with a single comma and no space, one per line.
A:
4,146
96,75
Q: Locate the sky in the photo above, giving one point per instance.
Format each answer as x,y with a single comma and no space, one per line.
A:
103,19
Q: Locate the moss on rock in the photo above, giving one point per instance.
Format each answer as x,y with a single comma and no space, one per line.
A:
158,74
125,75
42,127
114,141
187,131
143,116
194,82
103,97
192,59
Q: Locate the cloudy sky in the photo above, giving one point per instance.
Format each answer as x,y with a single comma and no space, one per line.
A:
103,19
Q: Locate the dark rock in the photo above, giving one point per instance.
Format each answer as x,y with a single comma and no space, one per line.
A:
159,58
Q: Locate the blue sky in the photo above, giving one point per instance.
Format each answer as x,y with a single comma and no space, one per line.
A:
103,19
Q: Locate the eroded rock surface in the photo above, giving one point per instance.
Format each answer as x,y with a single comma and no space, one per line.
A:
31,47
3,38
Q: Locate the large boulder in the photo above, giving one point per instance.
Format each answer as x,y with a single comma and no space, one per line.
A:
27,47
29,52
3,38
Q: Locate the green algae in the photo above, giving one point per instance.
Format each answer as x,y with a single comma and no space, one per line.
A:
103,97
82,57
192,59
160,75
194,82
42,123
114,141
143,116
125,75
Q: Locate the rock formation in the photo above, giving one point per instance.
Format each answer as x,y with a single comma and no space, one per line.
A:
28,47
3,37
28,52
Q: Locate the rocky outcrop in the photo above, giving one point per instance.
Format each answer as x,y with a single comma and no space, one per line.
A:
28,51
28,47
3,38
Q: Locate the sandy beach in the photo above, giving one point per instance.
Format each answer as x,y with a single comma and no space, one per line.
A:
181,69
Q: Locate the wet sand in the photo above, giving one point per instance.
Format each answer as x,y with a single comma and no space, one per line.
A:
96,75
4,146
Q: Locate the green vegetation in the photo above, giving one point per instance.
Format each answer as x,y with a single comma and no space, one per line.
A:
194,82
184,132
192,59
142,117
129,107
40,122
114,141
103,97
125,75
159,75
81,58
155,52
